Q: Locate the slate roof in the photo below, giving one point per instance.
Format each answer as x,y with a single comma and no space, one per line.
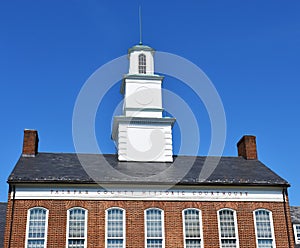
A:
2,222
295,215
91,168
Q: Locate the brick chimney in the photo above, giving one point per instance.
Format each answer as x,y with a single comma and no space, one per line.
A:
30,143
247,147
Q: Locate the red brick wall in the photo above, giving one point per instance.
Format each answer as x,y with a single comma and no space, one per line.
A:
135,221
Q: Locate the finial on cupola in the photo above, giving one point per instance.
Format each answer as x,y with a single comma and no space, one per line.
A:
140,17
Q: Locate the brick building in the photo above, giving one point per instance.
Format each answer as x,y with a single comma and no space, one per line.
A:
2,222
157,200
295,214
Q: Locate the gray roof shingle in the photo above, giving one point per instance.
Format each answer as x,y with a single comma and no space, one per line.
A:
2,222
295,215
66,168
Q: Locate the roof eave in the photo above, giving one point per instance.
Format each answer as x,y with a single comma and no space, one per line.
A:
40,181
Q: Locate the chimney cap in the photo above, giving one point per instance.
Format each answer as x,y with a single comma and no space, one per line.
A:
246,136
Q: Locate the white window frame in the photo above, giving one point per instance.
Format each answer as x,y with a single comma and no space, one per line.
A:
297,241
85,225
27,226
124,226
271,223
162,226
235,227
200,226
142,68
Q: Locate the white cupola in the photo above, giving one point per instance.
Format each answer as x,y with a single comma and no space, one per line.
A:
141,133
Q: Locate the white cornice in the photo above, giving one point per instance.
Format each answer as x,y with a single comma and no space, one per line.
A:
140,120
60,192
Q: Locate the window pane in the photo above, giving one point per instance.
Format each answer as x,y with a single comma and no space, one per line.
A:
114,243
115,223
298,232
154,243
227,228
36,243
37,228
154,223
77,217
142,63
192,223
37,223
263,224
192,228
263,229
76,243
193,243
265,243
114,228
228,243
227,224
77,223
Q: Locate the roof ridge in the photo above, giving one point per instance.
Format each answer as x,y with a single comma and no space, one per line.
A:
175,156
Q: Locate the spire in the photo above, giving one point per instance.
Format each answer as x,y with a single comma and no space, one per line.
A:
140,20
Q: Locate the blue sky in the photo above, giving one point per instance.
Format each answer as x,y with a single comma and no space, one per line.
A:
250,50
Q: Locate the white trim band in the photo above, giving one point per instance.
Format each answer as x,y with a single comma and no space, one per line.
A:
125,193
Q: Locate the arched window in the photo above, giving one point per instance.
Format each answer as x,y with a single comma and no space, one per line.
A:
228,232
192,228
76,228
37,223
264,228
115,228
142,63
154,228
